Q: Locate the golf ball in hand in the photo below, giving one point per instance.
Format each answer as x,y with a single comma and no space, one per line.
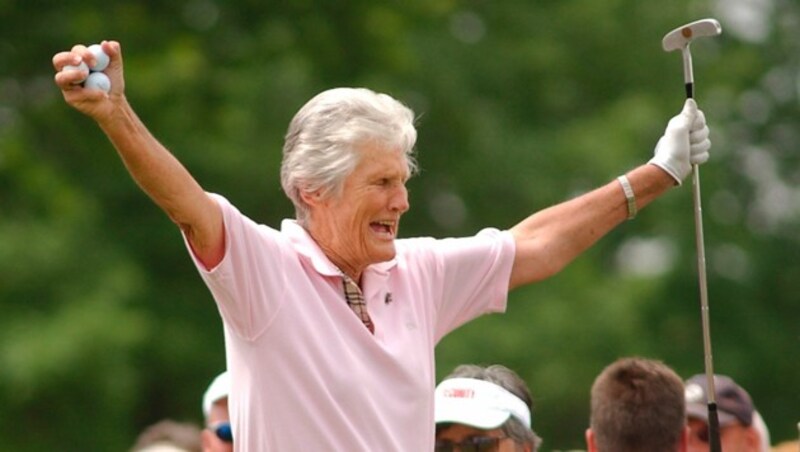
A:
81,67
100,57
98,80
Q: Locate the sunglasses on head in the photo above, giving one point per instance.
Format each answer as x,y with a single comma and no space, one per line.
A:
223,431
473,444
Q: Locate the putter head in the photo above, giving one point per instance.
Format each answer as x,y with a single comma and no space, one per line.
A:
682,36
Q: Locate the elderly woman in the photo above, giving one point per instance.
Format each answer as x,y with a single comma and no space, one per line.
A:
331,321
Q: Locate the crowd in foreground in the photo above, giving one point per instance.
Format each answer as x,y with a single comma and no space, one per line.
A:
637,405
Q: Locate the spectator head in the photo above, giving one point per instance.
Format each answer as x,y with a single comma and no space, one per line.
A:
168,435
217,435
637,404
482,406
741,427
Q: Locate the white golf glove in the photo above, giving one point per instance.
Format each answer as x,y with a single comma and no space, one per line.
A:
684,143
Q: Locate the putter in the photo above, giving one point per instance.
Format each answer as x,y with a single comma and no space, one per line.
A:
680,39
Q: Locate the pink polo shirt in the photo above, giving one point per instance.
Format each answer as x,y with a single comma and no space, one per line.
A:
306,374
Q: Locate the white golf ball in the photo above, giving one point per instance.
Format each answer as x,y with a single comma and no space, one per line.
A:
98,80
81,67
101,59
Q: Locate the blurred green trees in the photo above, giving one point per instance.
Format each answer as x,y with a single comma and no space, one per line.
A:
108,328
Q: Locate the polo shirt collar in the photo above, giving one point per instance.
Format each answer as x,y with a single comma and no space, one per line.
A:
307,247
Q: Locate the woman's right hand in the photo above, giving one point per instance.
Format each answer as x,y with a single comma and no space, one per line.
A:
95,103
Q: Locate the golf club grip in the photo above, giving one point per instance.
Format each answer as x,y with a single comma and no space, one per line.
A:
689,90
713,429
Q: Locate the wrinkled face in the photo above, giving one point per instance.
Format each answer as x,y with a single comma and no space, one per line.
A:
358,227
218,415
459,437
733,438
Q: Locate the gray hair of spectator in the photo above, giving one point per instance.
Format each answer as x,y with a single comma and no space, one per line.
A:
324,140
637,404
511,382
169,433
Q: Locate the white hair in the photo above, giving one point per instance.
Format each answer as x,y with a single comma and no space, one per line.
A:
325,137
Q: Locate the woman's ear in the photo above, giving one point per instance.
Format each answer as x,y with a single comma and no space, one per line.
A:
312,198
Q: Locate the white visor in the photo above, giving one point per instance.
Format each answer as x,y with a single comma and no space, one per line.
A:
218,389
477,403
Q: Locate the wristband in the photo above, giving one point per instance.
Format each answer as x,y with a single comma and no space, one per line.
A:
629,196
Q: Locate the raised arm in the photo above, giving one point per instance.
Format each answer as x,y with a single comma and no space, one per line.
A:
165,180
550,239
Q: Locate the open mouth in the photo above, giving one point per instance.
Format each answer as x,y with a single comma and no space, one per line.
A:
385,228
